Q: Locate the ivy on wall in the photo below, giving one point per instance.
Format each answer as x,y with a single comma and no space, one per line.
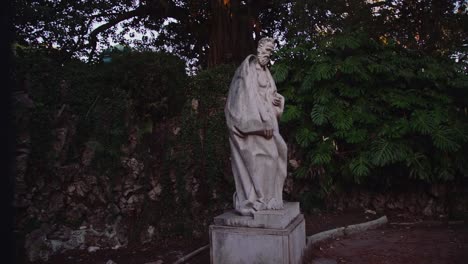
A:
136,88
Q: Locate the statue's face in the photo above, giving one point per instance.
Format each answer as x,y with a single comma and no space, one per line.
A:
264,53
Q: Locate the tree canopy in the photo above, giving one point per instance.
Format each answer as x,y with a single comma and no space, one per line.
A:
221,31
187,28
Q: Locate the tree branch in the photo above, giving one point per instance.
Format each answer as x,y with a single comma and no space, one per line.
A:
139,12
156,8
382,3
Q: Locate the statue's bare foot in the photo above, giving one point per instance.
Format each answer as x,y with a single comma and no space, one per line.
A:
245,208
246,211
279,205
260,205
274,204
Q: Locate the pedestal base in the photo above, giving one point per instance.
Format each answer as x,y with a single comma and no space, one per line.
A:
248,245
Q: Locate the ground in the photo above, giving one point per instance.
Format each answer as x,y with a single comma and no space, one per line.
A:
426,244
405,239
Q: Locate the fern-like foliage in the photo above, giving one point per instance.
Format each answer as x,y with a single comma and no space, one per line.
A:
360,168
395,129
319,114
387,152
291,112
280,72
323,154
444,138
323,71
307,83
305,137
423,121
352,136
359,107
344,41
419,166
351,65
340,119
348,91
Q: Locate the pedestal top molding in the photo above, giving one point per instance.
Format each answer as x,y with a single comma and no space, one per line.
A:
278,219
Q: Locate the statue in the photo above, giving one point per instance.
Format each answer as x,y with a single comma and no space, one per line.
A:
258,152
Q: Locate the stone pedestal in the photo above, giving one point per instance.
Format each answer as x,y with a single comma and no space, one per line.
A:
271,236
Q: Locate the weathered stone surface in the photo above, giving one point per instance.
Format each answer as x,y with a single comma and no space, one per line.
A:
258,151
88,153
323,261
93,249
62,233
147,235
427,201
134,166
351,229
229,245
155,262
329,234
56,202
85,204
344,231
36,244
428,210
155,192
264,219
76,213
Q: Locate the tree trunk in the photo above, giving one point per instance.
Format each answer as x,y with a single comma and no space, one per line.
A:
231,32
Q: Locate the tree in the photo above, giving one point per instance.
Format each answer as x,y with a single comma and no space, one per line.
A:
71,25
437,26
213,32
222,31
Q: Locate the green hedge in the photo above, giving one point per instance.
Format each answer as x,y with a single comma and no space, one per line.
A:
136,88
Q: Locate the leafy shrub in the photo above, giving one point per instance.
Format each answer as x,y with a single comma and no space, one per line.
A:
156,82
369,112
204,132
135,88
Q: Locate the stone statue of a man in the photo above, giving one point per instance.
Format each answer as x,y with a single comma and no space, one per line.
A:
258,152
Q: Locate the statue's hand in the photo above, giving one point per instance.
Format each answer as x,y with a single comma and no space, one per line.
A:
277,101
268,133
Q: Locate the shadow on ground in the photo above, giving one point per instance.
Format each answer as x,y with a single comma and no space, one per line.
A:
428,242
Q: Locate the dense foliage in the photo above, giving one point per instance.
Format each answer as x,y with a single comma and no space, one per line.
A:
136,88
432,26
379,106
198,154
374,111
176,123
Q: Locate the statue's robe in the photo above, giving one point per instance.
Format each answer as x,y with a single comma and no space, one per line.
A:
258,164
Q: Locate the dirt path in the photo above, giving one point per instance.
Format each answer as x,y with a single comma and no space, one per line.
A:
442,244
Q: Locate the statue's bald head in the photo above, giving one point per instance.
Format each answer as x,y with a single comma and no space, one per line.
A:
264,50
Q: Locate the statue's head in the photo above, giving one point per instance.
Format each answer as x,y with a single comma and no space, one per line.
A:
264,50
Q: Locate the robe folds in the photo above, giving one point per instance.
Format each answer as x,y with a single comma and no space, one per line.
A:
258,164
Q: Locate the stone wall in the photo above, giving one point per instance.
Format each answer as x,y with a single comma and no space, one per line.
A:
438,200
65,202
